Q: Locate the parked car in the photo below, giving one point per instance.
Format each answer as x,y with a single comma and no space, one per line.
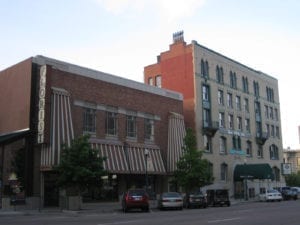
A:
195,199
297,190
170,200
135,199
288,193
270,195
218,197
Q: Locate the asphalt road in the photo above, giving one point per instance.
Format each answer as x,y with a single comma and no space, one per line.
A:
254,213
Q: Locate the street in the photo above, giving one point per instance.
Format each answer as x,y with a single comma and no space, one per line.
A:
254,213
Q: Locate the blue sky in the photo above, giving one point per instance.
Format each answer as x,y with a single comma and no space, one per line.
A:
122,36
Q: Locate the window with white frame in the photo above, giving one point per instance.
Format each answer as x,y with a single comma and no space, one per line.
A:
239,123
220,97
89,120
238,102
111,124
221,119
158,81
223,145
131,126
229,100
230,122
246,104
205,93
149,129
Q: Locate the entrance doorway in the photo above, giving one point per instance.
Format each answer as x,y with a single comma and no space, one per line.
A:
51,190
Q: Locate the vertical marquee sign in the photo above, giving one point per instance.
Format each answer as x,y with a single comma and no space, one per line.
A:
41,115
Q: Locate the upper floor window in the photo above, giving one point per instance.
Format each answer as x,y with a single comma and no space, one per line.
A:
274,152
245,84
111,124
246,104
220,75
256,88
204,69
276,114
238,102
247,125
230,121
158,81
260,153
221,119
220,97
276,173
207,144
89,120
239,123
270,94
233,82
229,100
205,93
150,81
236,142
149,129
223,145
249,148
131,126
277,132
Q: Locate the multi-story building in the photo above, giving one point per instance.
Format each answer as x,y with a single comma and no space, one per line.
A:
291,157
233,109
46,103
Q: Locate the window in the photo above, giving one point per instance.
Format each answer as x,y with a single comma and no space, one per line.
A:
224,171
233,81
207,144
89,120
229,100
220,97
268,129
277,132
230,122
111,123
150,81
239,123
276,114
158,81
270,94
149,129
249,149
221,119
236,142
220,75
260,153
205,93
274,152
246,104
238,102
256,88
131,126
245,84
247,125
223,144
266,111
204,69
271,113
206,117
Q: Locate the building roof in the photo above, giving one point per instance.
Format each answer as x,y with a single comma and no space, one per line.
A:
98,75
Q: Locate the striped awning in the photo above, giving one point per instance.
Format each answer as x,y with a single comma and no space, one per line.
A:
176,134
129,158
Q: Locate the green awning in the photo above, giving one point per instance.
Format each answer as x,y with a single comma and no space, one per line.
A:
253,171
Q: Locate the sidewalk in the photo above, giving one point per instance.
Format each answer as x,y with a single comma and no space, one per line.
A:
97,207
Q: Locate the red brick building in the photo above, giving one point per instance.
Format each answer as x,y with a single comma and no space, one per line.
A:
50,102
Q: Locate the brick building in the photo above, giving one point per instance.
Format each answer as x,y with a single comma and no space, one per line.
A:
46,103
234,111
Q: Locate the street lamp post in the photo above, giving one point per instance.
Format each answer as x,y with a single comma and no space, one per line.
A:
146,153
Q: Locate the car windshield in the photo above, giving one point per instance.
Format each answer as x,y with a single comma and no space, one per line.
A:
136,192
221,192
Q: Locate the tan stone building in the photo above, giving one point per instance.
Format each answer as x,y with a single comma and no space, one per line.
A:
234,111
292,157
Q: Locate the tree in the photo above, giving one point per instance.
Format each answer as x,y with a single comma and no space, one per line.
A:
192,171
293,179
80,166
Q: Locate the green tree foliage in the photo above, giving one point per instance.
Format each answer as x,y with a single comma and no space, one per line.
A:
293,179
80,166
192,171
